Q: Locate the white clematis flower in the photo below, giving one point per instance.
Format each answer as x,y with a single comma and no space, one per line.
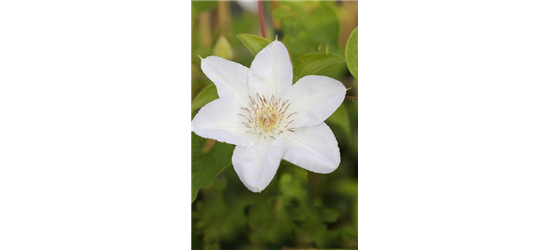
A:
268,118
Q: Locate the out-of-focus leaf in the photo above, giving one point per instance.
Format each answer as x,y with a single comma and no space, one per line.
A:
253,43
346,187
196,76
222,48
312,63
204,5
351,53
330,215
207,163
341,118
208,94
291,187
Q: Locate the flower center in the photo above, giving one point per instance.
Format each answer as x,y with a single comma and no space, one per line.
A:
267,117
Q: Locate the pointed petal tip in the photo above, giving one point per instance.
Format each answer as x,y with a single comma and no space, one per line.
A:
252,188
257,190
254,175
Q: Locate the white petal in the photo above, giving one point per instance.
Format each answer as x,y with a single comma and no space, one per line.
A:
314,98
256,166
219,120
270,72
230,78
313,148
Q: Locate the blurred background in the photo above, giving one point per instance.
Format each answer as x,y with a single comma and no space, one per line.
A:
299,209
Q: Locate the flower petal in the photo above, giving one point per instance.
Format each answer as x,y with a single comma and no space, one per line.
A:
256,166
313,148
270,72
219,120
314,98
230,78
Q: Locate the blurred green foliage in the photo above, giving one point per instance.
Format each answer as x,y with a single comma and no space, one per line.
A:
308,27
299,209
199,6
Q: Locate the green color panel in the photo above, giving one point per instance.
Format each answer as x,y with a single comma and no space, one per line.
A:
455,138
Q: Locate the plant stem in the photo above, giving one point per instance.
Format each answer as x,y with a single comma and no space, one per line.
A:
352,98
260,6
204,26
224,18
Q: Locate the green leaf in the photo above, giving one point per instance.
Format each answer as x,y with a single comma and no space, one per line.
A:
199,6
253,43
208,94
351,53
312,63
341,118
223,48
208,161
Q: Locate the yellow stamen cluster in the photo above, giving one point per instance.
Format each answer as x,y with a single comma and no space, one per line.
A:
267,117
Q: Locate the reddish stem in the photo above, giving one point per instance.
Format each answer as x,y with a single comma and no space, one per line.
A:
260,6
352,98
